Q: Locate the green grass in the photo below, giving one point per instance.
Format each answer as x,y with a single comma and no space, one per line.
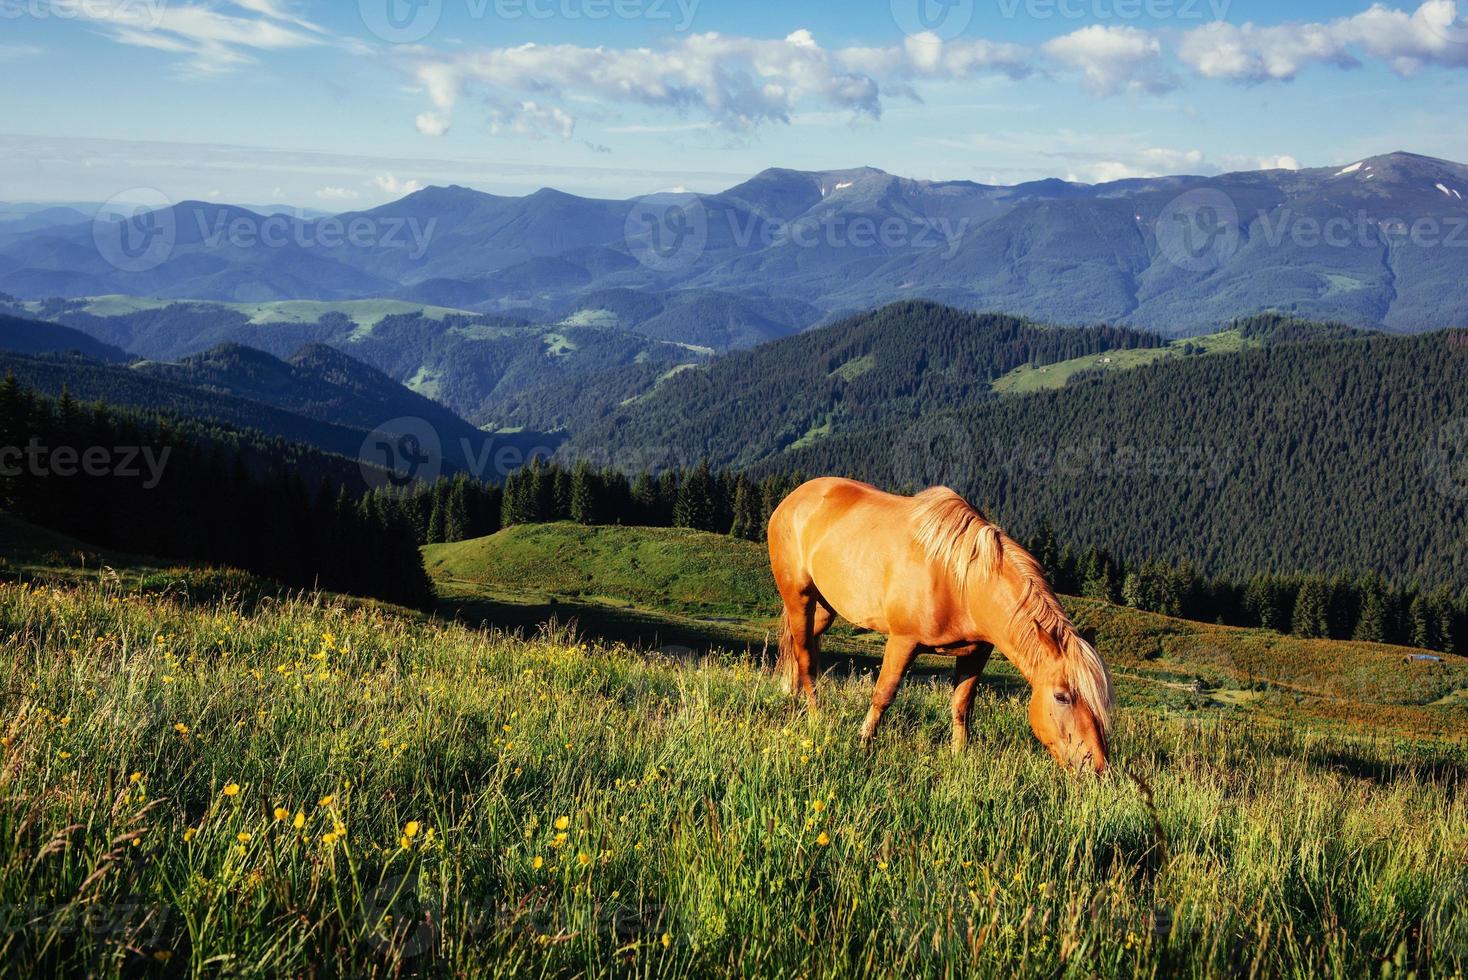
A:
670,569
1025,379
655,586
586,810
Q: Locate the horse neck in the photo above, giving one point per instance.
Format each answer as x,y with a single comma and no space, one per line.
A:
1005,609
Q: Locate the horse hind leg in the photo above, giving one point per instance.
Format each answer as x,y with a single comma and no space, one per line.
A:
799,648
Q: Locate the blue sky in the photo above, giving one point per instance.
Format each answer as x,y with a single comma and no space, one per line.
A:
335,105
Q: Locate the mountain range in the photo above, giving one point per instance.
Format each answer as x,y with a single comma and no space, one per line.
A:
1381,243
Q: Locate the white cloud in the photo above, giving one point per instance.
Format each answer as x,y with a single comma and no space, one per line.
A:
1150,162
14,52
532,119
431,124
337,194
211,42
730,82
1285,162
389,184
1406,42
1113,59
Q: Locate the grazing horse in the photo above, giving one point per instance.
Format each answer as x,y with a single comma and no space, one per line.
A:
933,575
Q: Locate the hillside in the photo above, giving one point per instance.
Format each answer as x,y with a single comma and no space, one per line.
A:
566,807
22,336
494,371
1245,459
878,368
786,248
317,381
653,585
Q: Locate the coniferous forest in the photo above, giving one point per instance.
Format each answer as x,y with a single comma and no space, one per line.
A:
159,487
1349,605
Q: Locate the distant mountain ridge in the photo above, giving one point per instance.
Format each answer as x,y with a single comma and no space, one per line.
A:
1381,243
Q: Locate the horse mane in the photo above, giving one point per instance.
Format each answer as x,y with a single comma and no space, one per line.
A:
954,535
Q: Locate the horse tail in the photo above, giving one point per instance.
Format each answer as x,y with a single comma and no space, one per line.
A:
786,667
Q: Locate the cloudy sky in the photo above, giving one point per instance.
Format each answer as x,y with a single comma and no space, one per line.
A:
338,104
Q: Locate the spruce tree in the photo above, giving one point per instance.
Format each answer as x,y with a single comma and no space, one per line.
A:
583,495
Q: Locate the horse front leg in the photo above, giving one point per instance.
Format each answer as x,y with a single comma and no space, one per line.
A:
898,656
966,671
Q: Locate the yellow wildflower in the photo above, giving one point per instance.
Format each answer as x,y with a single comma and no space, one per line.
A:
233,789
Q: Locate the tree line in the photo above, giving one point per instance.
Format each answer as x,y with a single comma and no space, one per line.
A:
1344,606
173,489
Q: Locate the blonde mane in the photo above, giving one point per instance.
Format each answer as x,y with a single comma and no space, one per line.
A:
955,536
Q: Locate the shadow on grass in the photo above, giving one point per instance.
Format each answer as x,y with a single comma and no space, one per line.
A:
844,652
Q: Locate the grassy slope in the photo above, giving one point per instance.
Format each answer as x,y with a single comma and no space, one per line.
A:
633,583
366,312
586,811
1023,380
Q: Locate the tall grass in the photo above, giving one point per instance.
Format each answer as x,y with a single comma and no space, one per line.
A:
310,788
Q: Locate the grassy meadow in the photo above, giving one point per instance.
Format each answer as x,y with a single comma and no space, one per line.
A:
322,787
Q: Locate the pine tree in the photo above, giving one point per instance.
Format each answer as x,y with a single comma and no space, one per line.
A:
436,516
1375,625
695,506
456,510
1311,618
746,524
583,495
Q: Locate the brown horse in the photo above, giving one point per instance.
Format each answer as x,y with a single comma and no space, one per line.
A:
933,575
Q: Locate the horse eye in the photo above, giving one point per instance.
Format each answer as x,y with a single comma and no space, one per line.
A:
1062,697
